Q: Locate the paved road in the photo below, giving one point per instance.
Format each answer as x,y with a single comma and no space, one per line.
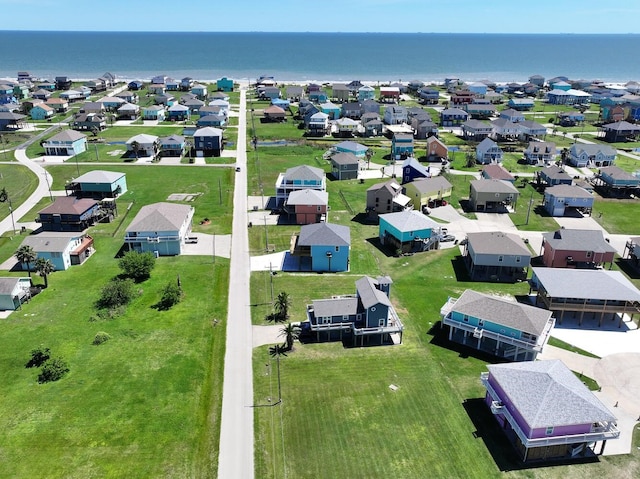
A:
236,430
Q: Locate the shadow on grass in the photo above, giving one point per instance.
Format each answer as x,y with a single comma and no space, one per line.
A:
375,242
498,445
460,269
364,219
628,268
440,338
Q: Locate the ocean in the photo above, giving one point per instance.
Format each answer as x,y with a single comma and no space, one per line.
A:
321,56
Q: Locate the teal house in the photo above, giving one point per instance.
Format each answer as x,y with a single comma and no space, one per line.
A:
408,230
41,111
13,292
224,84
323,247
98,184
499,326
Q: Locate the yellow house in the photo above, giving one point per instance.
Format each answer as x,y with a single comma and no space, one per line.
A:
423,190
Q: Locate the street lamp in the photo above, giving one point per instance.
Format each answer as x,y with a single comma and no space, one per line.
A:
329,256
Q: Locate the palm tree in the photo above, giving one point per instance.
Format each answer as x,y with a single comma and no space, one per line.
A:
281,306
290,332
26,255
44,267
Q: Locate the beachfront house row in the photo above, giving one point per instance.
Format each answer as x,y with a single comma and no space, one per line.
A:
299,178
160,228
63,249
321,247
560,199
98,184
586,295
66,143
366,317
408,231
13,292
546,411
574,248
424,190
497,325
386,197
496,256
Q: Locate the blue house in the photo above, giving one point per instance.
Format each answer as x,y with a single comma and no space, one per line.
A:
153,112
453,117
367,317
41,111
179,112
62,249
521,104
224,84
496,325
212,120
554,175
366,92
319,96
614,178
98,184
13,292
66,143
330,109
172,145
358,150
401,146
200,91
488,152
322,247
160,228
412,169
408,231
560,197
208,140
135,85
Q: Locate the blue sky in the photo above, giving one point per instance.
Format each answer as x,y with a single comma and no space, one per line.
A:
465,16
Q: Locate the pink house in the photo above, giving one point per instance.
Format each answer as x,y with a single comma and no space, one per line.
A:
568,248
546,411
307,206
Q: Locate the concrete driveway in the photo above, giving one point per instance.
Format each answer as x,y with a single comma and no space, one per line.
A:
205,246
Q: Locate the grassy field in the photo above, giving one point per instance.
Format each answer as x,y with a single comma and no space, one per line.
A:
335,398
19,182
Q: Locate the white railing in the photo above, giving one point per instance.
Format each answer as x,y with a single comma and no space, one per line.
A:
600,433
529,345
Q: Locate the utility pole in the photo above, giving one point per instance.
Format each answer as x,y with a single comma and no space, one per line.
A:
529,210
266,235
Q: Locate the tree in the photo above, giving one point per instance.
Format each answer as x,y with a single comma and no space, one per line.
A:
38,357
52,370
118,292
26,255
171,295
282,305
137,266
45,267
290,333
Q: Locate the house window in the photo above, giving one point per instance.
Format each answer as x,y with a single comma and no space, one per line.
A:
381,323
373,308
549,431
325,320
345,319
319,208
589,254
500,258
358,317
481,323
337,248
465,318
517,259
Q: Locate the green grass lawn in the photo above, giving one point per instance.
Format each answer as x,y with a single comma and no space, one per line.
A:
617,216
19,182
335,399
10,140
538,218
151,184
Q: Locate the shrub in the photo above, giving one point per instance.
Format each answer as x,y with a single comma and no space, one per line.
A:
38,357
137,266
52,370
117,292
171,295
101,337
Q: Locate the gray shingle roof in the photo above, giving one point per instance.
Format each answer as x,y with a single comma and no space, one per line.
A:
586,284
568,191
99,176
555,173
503,311
49,241
427,185
368,293
344,158
491,186
617,173
160,217
578,240
68,135
304,172
548,394
7,285
308,197
497,242
69,205
409,220
335,307
324,234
